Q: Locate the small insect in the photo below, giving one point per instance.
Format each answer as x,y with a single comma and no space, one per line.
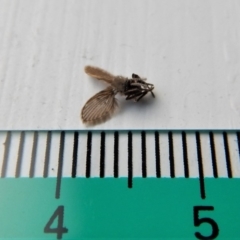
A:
101,106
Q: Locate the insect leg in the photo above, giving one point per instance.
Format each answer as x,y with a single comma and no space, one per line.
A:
132,90
141,96
131,96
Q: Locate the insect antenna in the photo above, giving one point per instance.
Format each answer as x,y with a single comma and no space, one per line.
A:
153,95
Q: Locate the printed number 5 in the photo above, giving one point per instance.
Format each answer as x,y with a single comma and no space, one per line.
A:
198,221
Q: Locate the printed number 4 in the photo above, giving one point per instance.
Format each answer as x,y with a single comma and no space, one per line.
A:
59,230
198,221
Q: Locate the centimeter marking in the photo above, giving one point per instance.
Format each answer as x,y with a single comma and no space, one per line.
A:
200,165
169,150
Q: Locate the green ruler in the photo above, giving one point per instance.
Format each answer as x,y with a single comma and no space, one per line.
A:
120,185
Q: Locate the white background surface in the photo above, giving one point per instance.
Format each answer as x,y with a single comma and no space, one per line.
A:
189,49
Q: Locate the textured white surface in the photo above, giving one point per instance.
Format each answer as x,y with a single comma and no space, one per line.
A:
189,49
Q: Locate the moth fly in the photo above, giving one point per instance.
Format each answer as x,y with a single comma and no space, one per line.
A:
102,105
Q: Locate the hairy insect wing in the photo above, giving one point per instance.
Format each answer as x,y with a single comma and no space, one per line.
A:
100,107
99,73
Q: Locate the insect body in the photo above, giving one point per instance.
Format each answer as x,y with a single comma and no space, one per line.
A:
102,105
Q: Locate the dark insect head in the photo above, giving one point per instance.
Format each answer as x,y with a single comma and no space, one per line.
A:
136,88
135,75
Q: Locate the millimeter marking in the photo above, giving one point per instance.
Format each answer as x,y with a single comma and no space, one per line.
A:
144,158
227,155
75,155
238,139
6,154
47,154
171,154
34,154
102,155
157,155
116,154
20,154
185,155
130,164
213,154
89,153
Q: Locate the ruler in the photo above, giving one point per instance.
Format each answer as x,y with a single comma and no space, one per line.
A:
120,184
